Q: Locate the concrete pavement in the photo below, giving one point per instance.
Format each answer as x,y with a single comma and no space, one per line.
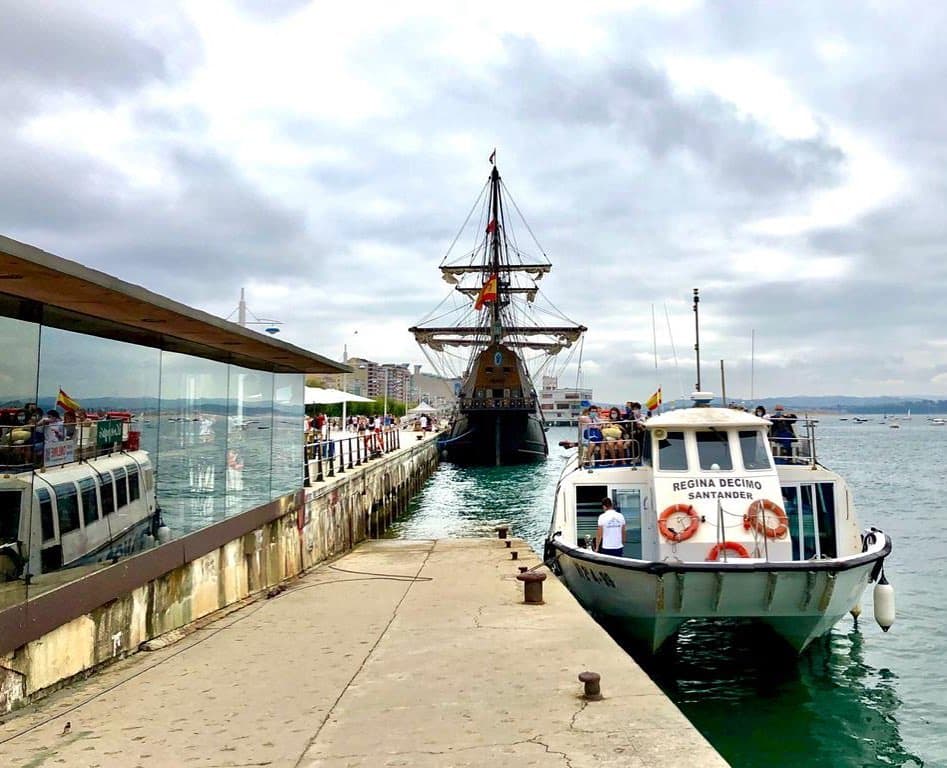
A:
401,653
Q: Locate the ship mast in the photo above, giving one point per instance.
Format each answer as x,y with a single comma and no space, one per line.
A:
496,330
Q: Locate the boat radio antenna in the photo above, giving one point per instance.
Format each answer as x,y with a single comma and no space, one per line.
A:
697,335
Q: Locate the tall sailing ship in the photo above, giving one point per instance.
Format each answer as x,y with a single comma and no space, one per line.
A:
498,333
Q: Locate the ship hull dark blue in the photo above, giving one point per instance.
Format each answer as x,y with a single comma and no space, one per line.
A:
494,438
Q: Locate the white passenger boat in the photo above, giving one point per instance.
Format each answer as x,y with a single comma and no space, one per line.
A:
716,528
87,504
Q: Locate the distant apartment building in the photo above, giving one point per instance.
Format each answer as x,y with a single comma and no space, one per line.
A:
562,407
370,378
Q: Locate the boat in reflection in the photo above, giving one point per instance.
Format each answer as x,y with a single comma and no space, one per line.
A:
73,494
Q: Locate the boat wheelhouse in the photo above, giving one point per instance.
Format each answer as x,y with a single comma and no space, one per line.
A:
719,523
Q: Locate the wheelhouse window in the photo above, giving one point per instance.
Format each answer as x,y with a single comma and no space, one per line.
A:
90,501
713,450
67,504
671,453
46,514
134,490
107,492
753,449
10,515
121,489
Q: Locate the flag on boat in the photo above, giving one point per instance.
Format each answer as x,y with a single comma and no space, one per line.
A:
66,403
487,293
654,401
493,157
492,226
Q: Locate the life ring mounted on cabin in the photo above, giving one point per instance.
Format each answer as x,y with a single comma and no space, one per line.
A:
756,517
693,522
733,546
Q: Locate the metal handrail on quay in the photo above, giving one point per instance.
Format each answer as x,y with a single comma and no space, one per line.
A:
337,455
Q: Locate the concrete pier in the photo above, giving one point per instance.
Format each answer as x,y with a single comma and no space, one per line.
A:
401,653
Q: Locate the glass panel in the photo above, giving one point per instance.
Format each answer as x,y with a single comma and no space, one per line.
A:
192,442
825,496
19,353
107,492
628,502
808,524
713,450
671,453
288,441
588,506
791,506
46,514
67,505
10,516
249,439
753,450
90,501
134,488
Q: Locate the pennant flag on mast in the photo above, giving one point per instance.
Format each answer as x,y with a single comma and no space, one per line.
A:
66,403
654,401
492,226
493,157
487,293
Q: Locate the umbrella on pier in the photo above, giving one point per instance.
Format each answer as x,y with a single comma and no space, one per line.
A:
423,408
327,396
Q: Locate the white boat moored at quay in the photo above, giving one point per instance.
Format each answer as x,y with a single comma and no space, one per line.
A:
720,523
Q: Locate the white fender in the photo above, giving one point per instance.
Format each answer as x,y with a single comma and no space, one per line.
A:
147,540
884,603
164,534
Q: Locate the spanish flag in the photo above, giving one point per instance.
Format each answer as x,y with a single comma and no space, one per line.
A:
487,293
66,403
654,401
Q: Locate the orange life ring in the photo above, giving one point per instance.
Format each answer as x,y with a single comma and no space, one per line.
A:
755,517
692,525
738,549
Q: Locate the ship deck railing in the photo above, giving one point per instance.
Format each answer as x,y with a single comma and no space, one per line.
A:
468,404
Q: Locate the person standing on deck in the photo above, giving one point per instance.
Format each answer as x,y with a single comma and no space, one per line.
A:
610,536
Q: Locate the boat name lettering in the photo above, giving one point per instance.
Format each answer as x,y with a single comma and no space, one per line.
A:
599,577
722,482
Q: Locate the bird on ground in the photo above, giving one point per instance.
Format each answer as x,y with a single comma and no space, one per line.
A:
66,728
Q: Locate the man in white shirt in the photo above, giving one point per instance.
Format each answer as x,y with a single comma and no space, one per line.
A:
610,536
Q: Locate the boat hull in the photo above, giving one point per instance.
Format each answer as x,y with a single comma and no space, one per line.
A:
496,438
649,601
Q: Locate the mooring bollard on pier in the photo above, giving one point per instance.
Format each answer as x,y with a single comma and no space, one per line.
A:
591,680
532,586
502,530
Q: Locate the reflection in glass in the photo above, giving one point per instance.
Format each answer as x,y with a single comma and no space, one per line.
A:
249,438
19,533
288,415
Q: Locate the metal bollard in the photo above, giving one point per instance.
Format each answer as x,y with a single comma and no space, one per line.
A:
514,555
523,568
593,691
509,543
501,531
532,586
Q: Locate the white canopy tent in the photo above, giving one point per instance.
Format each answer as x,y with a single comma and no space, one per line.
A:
423,408
323,396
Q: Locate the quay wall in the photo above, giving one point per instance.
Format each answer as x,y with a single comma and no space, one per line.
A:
303,529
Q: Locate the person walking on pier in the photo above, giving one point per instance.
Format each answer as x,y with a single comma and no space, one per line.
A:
610,536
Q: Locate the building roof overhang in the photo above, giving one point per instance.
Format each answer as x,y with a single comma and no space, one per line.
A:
36,285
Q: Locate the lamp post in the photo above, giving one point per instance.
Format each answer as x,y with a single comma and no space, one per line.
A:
345,361
384,410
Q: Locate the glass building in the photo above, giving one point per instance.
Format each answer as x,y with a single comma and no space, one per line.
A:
128,420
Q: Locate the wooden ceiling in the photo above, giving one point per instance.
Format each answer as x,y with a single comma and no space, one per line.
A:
84,300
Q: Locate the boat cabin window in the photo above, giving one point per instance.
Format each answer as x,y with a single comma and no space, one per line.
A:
107,492
121,489
671,453
46,514
90,500
134,490
628,502
9,515
811,512
713,450
753,449
67,504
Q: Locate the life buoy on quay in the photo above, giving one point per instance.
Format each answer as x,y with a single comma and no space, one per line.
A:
755,517
693,522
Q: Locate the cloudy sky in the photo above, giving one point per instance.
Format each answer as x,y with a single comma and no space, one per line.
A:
786,158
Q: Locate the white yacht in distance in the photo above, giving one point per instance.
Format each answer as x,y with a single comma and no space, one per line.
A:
717,527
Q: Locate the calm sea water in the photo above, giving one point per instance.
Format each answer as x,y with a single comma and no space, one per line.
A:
859,697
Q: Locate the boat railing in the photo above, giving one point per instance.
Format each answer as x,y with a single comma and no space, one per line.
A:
609,443
797,445
327,456
496,403
26,447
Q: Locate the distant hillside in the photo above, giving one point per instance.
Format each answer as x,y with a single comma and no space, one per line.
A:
849,404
